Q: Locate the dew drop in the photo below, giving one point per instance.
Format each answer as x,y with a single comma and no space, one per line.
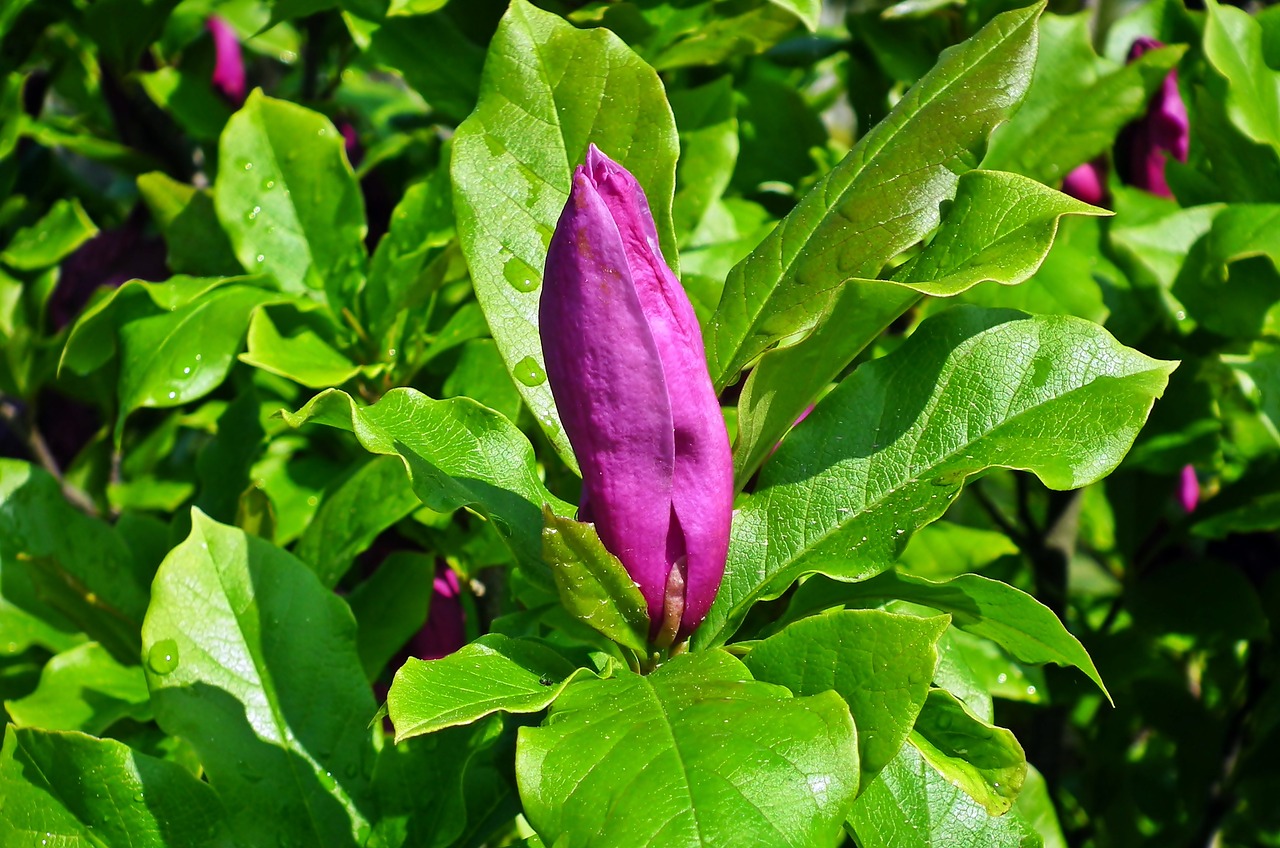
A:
172,395
248,166
261,258
327,780
186,370
1002,677
163,656
529,372
268,185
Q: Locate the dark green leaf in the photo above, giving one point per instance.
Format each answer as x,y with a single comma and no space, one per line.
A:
197,245
53,555
352,514
391,606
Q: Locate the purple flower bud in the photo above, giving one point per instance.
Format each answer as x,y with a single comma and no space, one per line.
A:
228,67
1088,182
1164,129
445,630
1188,489
626,365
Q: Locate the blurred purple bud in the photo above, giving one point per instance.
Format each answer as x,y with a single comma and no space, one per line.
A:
1088,183
228,67
445,630
1188,489
625,362
1163,130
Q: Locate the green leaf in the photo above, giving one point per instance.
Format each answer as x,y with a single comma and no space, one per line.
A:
421,227
437,59
1035,807
945,549
593,585
51,239
421,785
190,99
122,29
72,789
1233,46
54,556
880,663
1077,104
391,606
93,341
797,282
999,228
659,760
458,453
352,514
513,161
225,464
298,344
176,357
492,674
985,761
1229,278
83,689
890,448
289,201
911,805
1011,618
707,120
253,662
185,214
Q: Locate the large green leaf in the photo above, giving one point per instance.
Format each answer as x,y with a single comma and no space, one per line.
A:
83,689
391,606
1011,618
912,805
298,344
890,448
663,760
289,201
72,789
880,663
1228,280
707,119
1077,104
458,454
1233,45
492,674
876,203
514,157
252,661
54,557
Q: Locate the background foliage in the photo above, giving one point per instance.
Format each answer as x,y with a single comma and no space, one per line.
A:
271,372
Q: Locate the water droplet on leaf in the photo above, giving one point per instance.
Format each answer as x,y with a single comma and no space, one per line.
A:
529,372
163,656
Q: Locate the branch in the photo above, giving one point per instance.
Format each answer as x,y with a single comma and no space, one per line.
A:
11,411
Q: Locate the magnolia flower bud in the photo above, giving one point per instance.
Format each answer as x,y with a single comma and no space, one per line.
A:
228,64
625,362
1164,129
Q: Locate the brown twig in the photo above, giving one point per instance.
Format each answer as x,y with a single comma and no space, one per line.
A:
23,425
